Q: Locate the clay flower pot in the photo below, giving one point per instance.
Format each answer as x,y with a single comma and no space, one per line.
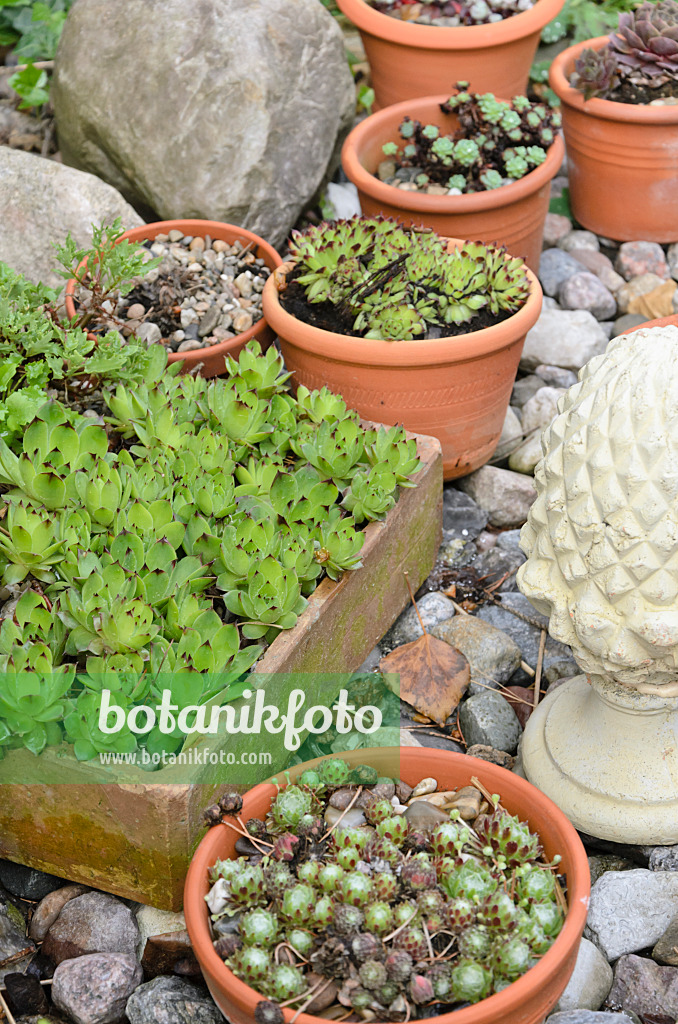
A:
409,60
212,359
456,389
622,159
512,215
527,1000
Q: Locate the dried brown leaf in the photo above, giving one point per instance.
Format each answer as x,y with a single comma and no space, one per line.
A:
433,675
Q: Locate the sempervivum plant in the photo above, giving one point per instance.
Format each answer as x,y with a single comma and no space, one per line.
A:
641,54
373,278
158,530
470,909
496,142
451,13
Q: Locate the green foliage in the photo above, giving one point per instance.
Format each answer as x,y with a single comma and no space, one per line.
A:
561,204
395,283
585,19
38,352
481,152
32,29
172,538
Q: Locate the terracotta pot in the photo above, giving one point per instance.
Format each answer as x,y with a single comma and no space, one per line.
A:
622,159
527,1000
456,389
512,215
408,60
213,359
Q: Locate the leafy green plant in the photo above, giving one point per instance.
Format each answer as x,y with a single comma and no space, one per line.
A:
169,532
585,19
496,142
32,29
385,281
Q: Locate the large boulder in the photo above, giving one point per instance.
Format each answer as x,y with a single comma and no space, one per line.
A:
41,201
230,110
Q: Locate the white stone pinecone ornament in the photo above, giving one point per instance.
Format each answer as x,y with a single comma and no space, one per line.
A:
602,535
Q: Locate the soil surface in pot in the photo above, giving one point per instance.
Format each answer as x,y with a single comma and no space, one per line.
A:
629,92
449,14
203,292
328,317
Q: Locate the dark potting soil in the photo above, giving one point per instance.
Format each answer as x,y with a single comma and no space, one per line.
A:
327,317
627,92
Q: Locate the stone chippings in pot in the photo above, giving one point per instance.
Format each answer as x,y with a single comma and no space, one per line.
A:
218,290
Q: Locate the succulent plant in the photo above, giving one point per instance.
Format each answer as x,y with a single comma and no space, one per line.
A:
131,496
642,52
595,72
646,40
460,918
495,143
397,284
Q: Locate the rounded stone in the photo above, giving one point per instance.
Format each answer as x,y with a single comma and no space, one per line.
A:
230,161
94,989
585,291
492,655
49,908
27,883
171,1001
488,719
579,240
590,981
92,923
635,288
149,332
636,258
541,408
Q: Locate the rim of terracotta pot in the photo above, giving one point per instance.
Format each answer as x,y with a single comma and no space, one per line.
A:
373,352
439,37
420,202
632,113
217,230
493,1007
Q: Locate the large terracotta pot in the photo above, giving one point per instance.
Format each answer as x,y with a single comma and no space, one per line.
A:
512,215
456,389
213,359
622,159
408,60
527,1000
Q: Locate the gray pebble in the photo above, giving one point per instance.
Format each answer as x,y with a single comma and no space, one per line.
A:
488,719
149,332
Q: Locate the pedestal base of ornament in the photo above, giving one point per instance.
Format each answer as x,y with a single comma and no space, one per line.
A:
607,755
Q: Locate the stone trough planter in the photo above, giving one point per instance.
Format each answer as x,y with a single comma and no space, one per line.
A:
132,833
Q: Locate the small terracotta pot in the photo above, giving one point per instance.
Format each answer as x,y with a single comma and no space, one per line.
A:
213,359
456,389
512,215
622,159
408,60
527,1000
